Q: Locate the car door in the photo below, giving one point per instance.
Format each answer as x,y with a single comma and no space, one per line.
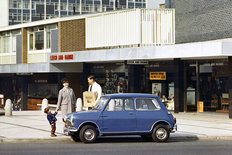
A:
148,111
119,116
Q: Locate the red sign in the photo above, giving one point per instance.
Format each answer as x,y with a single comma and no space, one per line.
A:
69,57
53,57
61,57
57,57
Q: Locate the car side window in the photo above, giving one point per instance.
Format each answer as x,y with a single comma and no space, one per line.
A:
115,105
147,104
128,104
120,105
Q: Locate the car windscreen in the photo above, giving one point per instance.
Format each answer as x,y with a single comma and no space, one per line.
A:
102,102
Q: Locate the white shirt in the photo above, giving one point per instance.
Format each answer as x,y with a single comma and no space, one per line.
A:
96,88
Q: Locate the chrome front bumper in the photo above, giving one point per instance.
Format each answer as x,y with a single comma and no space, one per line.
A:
174,128
71,129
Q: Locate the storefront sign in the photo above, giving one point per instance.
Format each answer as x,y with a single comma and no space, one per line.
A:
157,75
62,57
137,62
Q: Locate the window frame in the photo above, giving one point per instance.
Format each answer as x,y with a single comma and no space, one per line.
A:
123,104
158,109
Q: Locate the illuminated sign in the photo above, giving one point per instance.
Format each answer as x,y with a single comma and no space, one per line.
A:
157,75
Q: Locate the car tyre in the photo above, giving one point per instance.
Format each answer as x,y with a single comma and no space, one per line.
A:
160,133
88,134
75,136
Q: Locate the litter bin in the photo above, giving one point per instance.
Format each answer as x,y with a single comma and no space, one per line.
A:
200,106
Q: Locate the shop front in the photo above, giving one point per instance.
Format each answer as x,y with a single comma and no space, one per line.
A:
208,83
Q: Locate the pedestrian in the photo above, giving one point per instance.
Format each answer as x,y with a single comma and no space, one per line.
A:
94,87
52,120
66,99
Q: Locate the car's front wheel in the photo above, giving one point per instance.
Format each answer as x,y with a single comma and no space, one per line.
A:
160,133
88,134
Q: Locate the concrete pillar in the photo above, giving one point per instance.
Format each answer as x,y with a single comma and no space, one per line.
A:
79,104
8,108
179,85
24,93
134,81
83,80
44,105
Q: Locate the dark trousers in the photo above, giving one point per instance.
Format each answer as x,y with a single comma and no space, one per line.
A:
53,128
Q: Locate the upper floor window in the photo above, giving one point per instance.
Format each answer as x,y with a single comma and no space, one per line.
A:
8,41
40,37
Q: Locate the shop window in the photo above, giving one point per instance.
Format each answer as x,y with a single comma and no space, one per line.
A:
43,90
147,104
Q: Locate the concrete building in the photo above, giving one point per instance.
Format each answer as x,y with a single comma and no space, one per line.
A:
22,11
127,51
202,20
35,56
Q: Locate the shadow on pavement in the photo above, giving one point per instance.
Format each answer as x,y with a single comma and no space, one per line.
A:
139,139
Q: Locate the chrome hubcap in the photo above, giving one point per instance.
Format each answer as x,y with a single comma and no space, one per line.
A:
89,134
161,133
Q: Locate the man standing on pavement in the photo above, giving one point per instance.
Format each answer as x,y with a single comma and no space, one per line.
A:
94,87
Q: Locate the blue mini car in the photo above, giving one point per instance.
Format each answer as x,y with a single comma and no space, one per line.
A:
122,114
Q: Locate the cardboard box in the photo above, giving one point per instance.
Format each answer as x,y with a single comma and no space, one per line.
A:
89,98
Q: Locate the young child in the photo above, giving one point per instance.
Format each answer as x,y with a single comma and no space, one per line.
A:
52,120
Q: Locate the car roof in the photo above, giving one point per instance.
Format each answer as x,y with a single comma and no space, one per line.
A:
131,95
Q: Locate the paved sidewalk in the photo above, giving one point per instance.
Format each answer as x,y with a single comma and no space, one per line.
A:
208,125
29,126
33,126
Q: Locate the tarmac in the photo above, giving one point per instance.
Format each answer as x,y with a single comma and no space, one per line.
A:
32,126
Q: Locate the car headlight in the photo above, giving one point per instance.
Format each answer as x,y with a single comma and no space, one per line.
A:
72,119
65,118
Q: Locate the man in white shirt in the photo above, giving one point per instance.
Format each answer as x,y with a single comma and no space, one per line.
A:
94,87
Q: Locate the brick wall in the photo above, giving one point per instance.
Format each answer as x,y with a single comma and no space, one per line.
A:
71,35
202,20
24,45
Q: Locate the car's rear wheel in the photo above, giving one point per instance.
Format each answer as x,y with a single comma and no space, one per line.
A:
160,133
88,134
74,136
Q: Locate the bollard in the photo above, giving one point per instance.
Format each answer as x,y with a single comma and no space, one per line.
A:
79,104
44,105
8,108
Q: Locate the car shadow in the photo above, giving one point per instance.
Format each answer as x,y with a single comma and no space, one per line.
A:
138,139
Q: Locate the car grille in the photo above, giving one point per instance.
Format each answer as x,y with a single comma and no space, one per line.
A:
68,123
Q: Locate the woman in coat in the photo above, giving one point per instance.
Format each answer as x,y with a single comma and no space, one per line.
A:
66,99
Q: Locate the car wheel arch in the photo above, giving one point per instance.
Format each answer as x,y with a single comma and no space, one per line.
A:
88,123
161,123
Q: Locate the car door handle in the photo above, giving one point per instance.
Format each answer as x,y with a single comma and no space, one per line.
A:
131,113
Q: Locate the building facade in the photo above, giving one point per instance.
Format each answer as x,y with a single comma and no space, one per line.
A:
35,56
22,11
202,20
